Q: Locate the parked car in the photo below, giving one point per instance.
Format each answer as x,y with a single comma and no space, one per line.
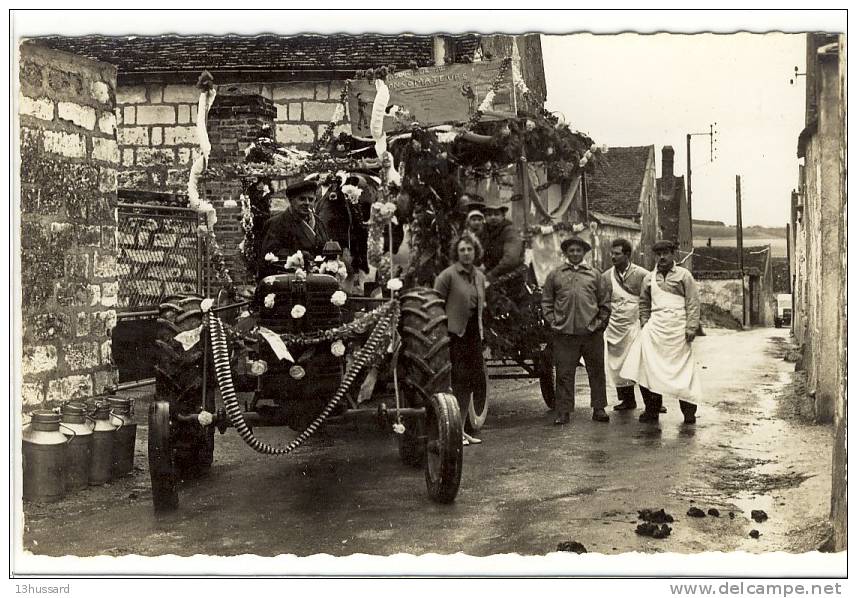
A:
783,316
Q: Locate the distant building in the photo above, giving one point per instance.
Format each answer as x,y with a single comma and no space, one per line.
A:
749,295
622,199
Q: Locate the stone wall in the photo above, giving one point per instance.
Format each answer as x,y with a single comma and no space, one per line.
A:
722,295
69,158
157,134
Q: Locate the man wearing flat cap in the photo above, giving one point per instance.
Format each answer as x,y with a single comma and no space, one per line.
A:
296,228
661,358
576,305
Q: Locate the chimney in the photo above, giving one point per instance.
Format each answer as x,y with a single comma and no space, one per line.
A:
667,158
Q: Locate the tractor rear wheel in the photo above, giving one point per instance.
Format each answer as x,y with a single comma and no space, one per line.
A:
178,381
424,367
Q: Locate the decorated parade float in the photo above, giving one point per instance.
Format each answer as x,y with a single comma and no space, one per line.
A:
357,332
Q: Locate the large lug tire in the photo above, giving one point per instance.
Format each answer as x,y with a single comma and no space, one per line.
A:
178,380
444,454
477,409
546,371
162,467
424,367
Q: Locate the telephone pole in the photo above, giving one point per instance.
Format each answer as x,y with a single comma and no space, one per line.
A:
712,132
739,234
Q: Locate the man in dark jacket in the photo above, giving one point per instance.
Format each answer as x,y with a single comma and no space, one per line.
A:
504,247
297,228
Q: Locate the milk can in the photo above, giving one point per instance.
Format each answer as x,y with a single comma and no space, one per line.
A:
79,452
122,416
44,458
101,466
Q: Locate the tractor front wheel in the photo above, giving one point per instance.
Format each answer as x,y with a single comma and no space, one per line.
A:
162,465
444,454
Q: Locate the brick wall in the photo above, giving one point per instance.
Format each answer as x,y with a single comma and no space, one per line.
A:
157,135
69,159
234,122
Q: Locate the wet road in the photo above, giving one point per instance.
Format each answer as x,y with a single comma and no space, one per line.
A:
529,486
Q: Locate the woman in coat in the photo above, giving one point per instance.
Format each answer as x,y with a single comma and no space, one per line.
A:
462,286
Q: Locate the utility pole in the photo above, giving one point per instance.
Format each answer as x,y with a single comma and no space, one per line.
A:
739,233
711,139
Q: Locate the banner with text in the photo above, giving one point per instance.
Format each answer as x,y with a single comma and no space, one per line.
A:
434,95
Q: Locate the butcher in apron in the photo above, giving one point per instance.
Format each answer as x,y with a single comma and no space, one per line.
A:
661,358
624,326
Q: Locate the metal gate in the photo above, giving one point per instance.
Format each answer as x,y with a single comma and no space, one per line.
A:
159,254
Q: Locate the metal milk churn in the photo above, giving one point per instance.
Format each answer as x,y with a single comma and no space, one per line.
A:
122,416
44,455
79,452
101,466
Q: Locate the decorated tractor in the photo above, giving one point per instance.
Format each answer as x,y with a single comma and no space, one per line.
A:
284,352
357,332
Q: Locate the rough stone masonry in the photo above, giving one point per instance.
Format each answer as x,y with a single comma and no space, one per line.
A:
69,158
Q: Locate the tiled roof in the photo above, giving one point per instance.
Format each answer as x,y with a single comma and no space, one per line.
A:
780,271
171,53
724,259
615,189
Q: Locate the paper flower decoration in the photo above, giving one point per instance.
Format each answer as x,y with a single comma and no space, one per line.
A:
230,203
593,147
399,428
204,418
270,257
296,260
201,230
604,149
338,298
578,227
298,311
531,126
300,274
206,304
352,192
487,102
394,284
337,348
583,162
269,300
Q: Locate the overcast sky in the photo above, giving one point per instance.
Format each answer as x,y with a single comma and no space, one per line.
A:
635,89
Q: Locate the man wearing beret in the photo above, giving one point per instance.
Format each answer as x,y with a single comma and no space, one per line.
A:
662,357
576,305
297,228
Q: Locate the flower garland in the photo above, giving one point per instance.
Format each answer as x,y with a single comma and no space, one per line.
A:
325,138
380,216
538,230
360,325
203,207
488,100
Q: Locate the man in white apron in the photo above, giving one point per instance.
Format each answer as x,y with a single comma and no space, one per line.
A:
661,358
626,279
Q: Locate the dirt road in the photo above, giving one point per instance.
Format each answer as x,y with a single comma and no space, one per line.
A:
528,487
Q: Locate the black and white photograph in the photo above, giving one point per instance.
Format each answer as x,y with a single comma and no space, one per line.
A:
533,295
